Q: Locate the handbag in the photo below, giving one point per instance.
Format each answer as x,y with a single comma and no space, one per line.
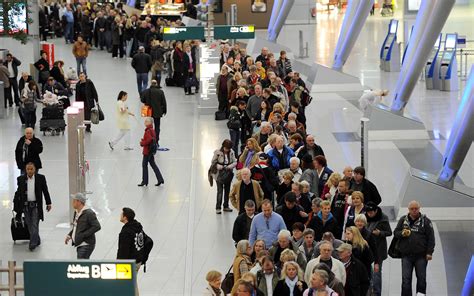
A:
101,113
146,111
95,115
225,176
394,249
228,282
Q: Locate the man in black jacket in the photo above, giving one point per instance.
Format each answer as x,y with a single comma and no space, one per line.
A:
310,148
31,188
357,277
360,183
12,64
84,227
28,150
290,211
416,242
243,221
141,62
339,203
86,92
155,98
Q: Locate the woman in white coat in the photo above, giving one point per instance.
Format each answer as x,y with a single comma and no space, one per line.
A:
123,122
214,279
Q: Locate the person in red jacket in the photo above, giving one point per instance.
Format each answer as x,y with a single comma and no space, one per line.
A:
149,157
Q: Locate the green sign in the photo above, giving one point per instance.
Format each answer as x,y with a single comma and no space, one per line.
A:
234,32
79,278
183,33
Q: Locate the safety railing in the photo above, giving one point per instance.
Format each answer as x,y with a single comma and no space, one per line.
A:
12,287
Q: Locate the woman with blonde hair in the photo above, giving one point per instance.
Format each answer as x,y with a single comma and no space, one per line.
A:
249,158
360,247
355,209
277,108
214,281
330,187
242,262
248,278
291,283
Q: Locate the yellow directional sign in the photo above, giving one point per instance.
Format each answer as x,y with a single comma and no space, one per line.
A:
124,271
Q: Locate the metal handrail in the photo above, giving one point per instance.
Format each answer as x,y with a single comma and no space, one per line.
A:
12,271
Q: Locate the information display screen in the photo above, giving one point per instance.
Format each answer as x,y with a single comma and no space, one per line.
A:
183,33
451,41
414,5
393,26
17,18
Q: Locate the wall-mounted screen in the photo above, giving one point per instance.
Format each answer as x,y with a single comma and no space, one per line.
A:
16,18
393,26
451,41
413,5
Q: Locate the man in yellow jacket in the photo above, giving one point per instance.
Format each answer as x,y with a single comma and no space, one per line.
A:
245,189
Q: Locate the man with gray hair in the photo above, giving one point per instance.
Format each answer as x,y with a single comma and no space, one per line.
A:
243,221
261,136
142,63
84,227
284,242
325,257
357,281
245,189
280,155
319,282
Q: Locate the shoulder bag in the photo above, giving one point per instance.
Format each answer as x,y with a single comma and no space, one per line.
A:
228,282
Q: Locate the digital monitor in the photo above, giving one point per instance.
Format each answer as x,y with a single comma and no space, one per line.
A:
414,5
393,26
450,41
17,18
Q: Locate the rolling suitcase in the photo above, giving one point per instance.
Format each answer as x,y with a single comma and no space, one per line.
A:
19,229
220,115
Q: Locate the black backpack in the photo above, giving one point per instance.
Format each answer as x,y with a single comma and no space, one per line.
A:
144,245
153,146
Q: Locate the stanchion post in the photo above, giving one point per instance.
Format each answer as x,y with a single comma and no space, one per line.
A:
364,144
73,121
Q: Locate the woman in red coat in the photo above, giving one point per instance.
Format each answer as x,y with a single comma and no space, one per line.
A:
149,157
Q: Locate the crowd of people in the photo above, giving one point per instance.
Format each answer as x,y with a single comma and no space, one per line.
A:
302,228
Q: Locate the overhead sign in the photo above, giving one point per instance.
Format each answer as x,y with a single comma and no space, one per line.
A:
183,33
78,278
234,32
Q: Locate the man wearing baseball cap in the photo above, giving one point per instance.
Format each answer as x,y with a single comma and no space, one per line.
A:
84,227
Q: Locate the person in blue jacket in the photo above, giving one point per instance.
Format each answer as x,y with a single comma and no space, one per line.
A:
280,155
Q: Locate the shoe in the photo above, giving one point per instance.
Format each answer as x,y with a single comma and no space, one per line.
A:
160,183
32,248
227,210
142,184
88,131
128,148
218,212
111,146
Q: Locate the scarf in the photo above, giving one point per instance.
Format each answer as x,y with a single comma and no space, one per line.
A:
179,52
216,291
291,284
190,60
249,158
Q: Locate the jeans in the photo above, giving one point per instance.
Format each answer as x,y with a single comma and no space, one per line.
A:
419,263
32,222
142,82
69,32
235,137
377,281
14,87
157,121
85,252
150,159
124,133
222,189
81,61
129,47
158,78
108,40
102,40
30,118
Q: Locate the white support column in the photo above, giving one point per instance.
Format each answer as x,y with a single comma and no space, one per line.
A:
348,19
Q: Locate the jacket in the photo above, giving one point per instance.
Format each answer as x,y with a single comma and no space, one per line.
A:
28,153
274,161
370,192
187,64
357,282
15,63
208,291
311,176
129,241
290,216
284,67
320,228
236,266
275,252
218,84
117,33
89,92
41,189
234,195
243,157
155,98
262,283
421,241
5,76
58,75
241,228
86,227
282,289
80,49
337,268
380,222
266,177
325,174
218,159
317,150
147,139
141,62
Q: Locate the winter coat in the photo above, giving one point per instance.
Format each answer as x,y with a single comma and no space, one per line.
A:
15,63
282,289
357,282
274,161
275,252
311,176
219,159
234,195
41,189
31,152
80,49
147,139
155,98
370,192
141,62
380,222
86,227
89,92
290,216
320,228
421,240
128,238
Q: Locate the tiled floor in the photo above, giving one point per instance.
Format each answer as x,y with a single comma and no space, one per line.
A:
189,238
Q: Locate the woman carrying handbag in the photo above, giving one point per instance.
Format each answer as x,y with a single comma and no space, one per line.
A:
224,160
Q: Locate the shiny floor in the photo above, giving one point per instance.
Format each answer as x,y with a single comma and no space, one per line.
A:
190,238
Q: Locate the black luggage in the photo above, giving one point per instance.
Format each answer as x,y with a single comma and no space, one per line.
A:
19,229
53,112
55,126
220,115
170,82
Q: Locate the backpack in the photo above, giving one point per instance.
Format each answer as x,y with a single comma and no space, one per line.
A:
143,246
305,98
234,122
153,146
